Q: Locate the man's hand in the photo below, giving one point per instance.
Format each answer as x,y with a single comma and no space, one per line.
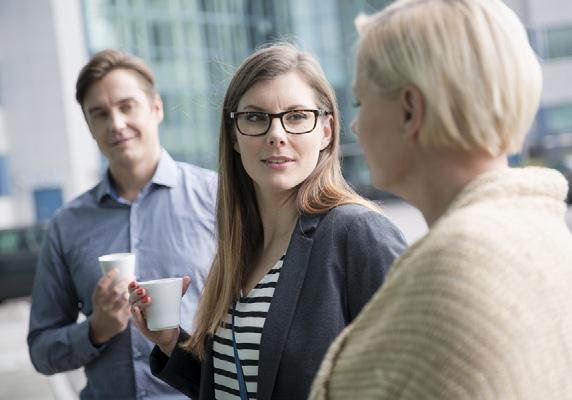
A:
110,309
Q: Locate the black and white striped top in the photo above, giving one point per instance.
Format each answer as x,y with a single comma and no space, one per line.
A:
249,320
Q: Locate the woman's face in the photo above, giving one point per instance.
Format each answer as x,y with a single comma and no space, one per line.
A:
379,130
279,161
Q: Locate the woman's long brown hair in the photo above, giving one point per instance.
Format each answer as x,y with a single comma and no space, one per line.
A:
239,227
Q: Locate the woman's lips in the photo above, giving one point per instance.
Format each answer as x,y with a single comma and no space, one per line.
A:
277,162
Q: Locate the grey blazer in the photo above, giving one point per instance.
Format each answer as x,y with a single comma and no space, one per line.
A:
334,264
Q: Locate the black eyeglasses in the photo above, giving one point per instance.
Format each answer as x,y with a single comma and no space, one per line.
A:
297,122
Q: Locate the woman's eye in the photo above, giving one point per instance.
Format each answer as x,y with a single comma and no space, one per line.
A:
255,117
297,116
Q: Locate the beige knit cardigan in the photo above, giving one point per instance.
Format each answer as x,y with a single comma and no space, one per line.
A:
480,308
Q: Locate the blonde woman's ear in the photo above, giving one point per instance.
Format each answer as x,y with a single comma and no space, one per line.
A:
413,110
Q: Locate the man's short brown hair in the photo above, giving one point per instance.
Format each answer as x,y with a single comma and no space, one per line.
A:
106,61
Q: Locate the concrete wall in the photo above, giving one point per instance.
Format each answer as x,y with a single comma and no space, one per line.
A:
41,50
538,16
557,81
6,211
545,13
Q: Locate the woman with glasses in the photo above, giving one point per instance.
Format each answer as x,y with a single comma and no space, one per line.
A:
299,252
481,307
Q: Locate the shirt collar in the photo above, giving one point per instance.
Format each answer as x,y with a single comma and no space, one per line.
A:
165,175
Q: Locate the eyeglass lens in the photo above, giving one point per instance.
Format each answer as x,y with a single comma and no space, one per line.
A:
257,123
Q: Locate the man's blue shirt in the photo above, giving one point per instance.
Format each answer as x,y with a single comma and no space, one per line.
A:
171,229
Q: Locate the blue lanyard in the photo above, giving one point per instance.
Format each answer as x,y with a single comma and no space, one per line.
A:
239,373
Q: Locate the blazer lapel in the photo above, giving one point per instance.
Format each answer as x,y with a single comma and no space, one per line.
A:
283,305
207,391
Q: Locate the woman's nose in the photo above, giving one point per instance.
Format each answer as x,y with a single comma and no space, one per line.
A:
276,134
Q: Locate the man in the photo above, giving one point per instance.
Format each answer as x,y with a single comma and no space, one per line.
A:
147,204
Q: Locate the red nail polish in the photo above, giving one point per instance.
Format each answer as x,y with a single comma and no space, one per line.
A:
139,291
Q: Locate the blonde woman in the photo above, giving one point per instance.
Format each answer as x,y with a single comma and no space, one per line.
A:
481,307
299,253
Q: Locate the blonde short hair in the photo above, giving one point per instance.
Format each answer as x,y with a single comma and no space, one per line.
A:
471,59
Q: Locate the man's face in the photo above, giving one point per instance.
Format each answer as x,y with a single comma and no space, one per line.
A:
124,119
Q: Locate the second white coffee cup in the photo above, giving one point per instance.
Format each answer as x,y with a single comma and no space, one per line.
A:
164,311
124,262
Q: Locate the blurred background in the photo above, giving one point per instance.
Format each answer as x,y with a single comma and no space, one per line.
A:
47,156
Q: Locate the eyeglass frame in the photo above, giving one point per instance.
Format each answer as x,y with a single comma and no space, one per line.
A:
317,113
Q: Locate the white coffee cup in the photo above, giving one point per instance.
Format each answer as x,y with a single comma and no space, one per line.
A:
124,262
164,311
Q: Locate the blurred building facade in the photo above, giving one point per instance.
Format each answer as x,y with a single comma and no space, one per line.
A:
194,46
549,23
47,155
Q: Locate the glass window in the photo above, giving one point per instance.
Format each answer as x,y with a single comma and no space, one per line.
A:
558,42
157,4
135,36
558,118
47,201
174,109
207,5
189,5
0,87
4,177
22,240
161,35
193,46
10,241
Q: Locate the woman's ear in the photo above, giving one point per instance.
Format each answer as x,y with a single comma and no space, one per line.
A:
235,144
413,111
328,129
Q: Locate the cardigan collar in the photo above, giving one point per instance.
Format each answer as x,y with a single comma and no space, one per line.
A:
547,185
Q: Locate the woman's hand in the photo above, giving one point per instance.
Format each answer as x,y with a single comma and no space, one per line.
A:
166,339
